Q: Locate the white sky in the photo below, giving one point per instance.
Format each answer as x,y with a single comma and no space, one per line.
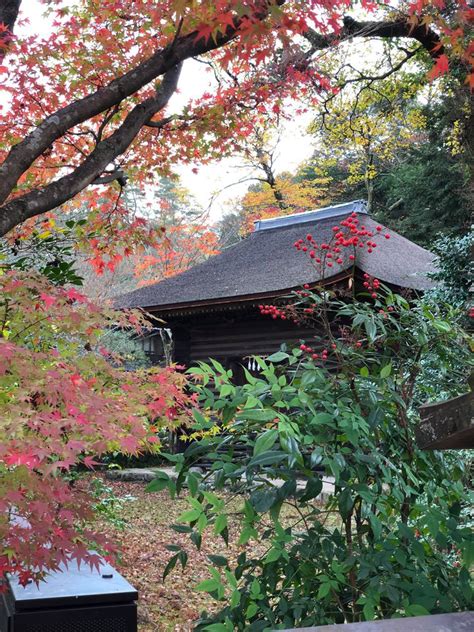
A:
294,147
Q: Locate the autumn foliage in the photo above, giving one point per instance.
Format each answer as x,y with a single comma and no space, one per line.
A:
65,402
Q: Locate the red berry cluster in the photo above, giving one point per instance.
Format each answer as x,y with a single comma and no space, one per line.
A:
348,235
312,353
371,284
384,313
273,311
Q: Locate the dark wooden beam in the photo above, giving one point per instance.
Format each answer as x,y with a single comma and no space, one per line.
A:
447,425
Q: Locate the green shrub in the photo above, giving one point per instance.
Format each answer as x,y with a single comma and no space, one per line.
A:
393,538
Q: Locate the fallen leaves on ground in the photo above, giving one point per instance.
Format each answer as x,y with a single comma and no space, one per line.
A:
173,605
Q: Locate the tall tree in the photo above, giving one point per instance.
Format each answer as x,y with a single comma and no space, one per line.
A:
87,104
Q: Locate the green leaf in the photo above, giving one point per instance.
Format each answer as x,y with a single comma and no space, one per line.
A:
227,389
385,371
364,371
345,502
255,589
265,441
416,610
267,458
220,524
442,326
181,528
313,488
192,482
217,627
160,482
235,599
324,590
272,556
189,516
169,567
208,585
196,539
369,611
247,533
323,418
279,356
218,560
157,485
263,499
258,414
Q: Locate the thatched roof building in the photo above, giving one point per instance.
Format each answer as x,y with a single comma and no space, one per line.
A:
211,307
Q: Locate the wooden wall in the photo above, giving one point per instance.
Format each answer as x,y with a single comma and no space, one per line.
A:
232,338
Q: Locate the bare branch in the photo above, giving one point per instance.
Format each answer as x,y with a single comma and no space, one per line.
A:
107,177
390,29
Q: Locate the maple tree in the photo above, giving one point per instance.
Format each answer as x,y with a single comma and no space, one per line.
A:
84,109
65,401
185,237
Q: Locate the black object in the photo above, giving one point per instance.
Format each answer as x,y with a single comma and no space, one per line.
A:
74,600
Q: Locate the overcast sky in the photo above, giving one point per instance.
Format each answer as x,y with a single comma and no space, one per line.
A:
294,147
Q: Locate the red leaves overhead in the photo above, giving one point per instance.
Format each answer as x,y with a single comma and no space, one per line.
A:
441,67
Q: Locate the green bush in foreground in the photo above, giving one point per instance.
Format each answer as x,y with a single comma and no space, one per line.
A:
393,539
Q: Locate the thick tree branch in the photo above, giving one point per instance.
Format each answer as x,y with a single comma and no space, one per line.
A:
108,98
428,38
23,155
394,29
53,195
162,122
9,12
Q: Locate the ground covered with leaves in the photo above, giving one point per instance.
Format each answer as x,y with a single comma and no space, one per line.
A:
143,530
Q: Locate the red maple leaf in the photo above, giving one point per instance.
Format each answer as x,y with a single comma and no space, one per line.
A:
440,68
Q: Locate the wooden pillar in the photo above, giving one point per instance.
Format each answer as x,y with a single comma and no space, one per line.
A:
181,345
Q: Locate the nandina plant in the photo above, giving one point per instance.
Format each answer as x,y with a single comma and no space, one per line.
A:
65,401
390,537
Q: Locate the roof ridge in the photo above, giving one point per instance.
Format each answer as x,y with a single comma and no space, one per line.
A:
327,212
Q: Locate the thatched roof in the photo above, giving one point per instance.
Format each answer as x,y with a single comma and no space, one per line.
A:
267,263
